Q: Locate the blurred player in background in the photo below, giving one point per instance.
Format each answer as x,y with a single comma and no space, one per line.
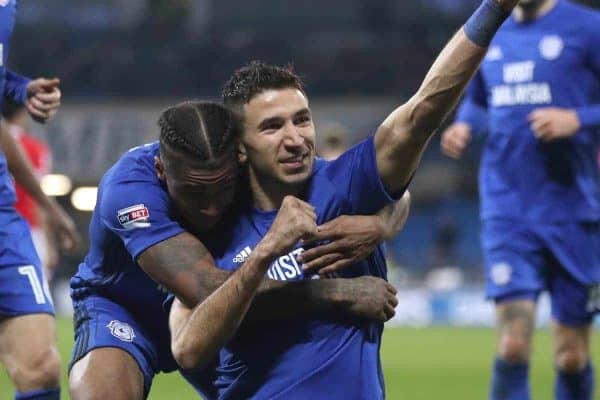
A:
27,327
539,187
334,142
40,157
315,359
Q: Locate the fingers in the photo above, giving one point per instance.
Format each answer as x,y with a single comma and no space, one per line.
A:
454,141
47,84
311,255
389,312
391,289
42,105
52,97
337,266
37,114
321,262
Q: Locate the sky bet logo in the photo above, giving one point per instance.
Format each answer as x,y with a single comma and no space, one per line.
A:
134,217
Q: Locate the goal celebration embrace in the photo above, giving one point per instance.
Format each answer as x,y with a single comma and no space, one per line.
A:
227,249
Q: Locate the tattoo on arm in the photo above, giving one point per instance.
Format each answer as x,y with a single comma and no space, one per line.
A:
183,265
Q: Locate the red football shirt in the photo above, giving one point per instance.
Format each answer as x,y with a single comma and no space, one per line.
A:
38,153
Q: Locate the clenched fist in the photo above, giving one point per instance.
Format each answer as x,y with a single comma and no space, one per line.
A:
295,221
43,98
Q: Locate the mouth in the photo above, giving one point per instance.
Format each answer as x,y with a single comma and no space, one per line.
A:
294,163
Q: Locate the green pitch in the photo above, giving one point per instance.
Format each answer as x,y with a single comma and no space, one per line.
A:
419,364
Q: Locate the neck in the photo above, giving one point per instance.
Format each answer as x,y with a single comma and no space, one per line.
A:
524,13
267,194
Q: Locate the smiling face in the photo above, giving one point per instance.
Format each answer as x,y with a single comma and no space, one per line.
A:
278,141
200,192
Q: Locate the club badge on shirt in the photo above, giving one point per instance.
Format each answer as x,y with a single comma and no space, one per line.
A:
132,217
551,47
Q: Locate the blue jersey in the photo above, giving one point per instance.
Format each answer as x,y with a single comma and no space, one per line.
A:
133,213
300,358
553,61
12,86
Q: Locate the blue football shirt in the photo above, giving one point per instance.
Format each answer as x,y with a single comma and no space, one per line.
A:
553,61
133,213
301,357
12,86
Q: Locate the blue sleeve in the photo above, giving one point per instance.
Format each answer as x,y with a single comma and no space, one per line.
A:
138,212
356,177
474,115
473,109
16,87
589,116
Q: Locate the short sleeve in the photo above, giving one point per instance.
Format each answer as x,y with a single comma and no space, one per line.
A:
138,212
474,115
15,87
356,177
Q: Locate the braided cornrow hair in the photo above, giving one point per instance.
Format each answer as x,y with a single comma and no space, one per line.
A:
200,129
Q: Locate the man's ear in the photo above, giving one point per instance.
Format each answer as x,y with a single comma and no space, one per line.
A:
242,156
160,168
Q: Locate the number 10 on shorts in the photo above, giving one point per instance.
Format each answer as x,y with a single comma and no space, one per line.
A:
41,291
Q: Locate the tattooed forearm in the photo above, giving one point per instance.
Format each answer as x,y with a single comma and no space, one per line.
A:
183,265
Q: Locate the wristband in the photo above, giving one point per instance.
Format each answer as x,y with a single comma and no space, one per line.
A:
485,22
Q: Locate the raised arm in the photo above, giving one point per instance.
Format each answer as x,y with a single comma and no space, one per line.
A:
402,137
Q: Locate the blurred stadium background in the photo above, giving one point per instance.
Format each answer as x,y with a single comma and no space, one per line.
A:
122,61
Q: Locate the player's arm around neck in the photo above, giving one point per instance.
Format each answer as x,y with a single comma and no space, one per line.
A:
402,137
198,336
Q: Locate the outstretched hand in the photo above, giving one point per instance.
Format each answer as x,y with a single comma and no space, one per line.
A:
43,98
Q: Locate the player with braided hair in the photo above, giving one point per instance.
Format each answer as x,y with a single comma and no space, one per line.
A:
154,207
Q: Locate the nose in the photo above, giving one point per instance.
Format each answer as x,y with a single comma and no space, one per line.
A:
293,137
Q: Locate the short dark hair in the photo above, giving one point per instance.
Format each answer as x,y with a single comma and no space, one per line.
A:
253,79
11,108
203,130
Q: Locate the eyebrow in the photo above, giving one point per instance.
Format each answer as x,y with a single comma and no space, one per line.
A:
270,120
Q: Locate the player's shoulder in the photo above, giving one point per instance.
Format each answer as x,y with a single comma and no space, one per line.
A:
136,165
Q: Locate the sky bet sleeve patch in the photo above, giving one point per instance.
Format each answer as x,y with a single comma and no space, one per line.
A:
134,217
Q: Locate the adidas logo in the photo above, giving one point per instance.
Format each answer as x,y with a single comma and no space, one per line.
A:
243,255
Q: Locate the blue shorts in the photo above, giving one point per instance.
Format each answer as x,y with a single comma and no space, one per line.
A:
23,288
99,322
524,259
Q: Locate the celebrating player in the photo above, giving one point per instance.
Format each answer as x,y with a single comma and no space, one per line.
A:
539,187
27,328
152,206
310,358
